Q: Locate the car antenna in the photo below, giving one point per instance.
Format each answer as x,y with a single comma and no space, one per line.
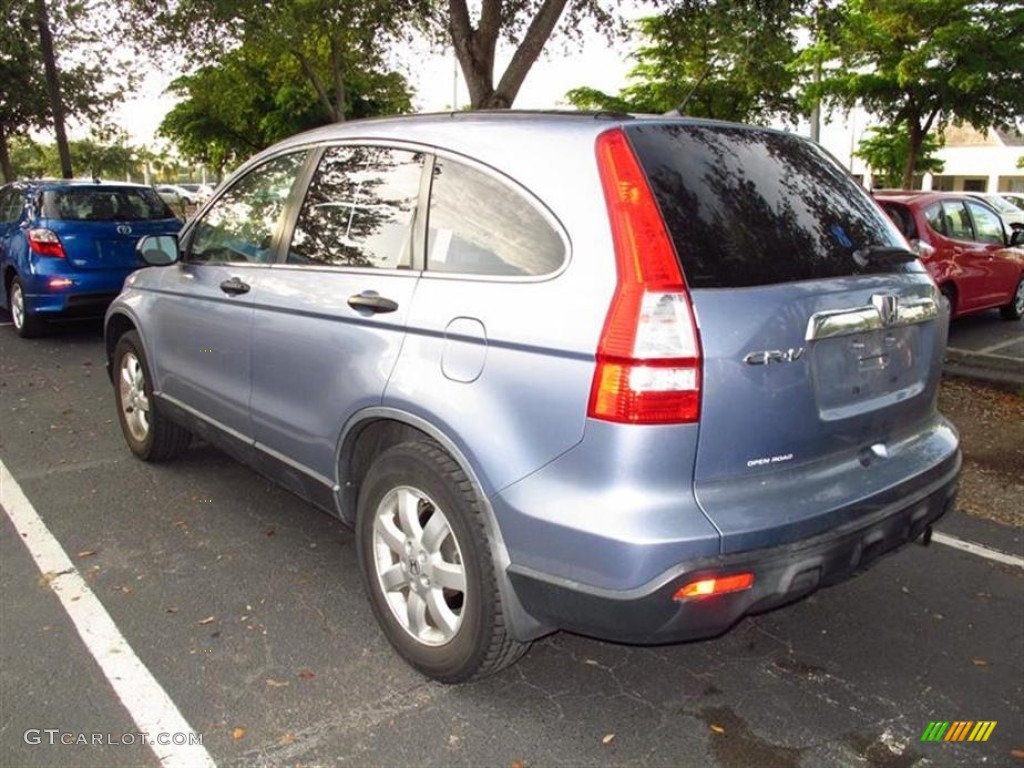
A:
682,105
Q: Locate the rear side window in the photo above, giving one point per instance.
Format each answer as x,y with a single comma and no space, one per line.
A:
902,218
11,204
933,213
480,226
748,207
359,208
104,204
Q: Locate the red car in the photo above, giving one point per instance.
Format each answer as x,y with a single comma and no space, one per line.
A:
976,260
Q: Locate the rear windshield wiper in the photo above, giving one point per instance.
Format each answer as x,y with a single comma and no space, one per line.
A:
883,254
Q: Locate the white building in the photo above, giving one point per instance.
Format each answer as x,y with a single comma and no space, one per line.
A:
974,161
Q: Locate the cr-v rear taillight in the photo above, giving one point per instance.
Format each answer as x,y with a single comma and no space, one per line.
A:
648,357
46,243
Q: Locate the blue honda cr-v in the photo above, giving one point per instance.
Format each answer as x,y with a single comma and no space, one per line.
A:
629,377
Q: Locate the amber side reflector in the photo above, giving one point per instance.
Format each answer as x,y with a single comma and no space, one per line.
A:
736,582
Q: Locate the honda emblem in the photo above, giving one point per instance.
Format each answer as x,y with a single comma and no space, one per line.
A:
888,306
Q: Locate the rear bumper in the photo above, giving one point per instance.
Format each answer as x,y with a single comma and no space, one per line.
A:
88,295
782,574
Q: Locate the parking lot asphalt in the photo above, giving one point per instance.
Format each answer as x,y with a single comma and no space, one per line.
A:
986,347
245,605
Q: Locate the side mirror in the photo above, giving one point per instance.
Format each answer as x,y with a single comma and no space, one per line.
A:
158,250
1017,236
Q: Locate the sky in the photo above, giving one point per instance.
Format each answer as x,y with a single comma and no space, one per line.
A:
597,63
432,73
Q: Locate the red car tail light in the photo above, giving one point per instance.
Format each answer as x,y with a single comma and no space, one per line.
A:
648,356
45,242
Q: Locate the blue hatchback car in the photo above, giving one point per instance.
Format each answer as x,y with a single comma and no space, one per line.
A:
66,246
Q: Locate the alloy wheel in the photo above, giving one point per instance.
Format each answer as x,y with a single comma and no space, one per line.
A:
17,306
419,566
134,402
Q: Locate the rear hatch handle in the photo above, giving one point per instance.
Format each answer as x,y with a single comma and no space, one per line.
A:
878,255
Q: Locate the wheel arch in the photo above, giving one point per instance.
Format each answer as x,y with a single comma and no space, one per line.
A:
374,430
951,290
117,325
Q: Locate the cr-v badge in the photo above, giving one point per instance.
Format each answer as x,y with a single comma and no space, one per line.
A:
769,356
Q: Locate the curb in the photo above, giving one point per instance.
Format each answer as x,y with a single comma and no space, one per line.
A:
995,369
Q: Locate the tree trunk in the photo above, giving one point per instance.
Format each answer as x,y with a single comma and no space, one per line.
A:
5,156
475,49
915,138
318,86
53,87
338,76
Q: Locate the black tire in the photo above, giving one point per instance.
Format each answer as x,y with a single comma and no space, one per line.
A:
1015,309
948,290
161,438
479,644
26,324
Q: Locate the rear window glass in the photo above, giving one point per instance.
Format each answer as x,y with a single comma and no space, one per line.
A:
104,204
748,207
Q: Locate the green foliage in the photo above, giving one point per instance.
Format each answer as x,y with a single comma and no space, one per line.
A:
886,150
726,59
92,79
251,99
94,157
261,71
920,63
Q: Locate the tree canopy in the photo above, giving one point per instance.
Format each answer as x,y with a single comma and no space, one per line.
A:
89,83
251,99
885,152
722,59
920,64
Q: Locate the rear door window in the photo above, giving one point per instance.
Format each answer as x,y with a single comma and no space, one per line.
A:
958,222
359,209
748,207
479,225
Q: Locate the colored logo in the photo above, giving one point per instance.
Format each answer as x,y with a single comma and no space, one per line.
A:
958,730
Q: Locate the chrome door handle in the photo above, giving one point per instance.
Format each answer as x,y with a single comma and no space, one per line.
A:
372,303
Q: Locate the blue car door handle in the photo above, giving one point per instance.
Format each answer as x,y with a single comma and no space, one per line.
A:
234,287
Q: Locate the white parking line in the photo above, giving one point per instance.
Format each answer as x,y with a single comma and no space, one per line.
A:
3,324
148,704
1000,345
977,549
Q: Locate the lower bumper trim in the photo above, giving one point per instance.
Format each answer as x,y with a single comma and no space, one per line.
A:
782,575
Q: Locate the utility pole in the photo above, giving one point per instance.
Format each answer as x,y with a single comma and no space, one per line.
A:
53,87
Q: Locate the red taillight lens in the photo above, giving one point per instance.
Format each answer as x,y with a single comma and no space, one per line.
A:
737,582
46,243
648,358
